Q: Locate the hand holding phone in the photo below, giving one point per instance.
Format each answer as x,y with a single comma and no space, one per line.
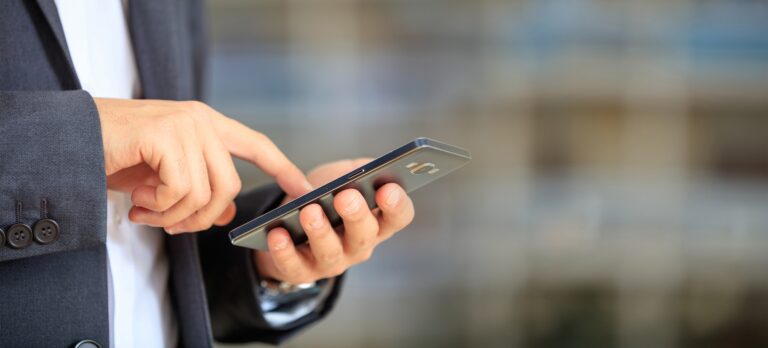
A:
411,166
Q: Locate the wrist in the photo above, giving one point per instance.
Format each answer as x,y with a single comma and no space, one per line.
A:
107,115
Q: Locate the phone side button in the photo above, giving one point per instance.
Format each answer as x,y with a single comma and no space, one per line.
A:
356,173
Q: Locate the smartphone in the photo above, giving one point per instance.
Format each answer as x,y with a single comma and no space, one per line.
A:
412,165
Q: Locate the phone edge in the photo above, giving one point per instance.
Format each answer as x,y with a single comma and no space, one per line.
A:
241,231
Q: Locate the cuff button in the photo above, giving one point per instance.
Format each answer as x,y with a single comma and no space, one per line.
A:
19,236
46,231
2,237
87,344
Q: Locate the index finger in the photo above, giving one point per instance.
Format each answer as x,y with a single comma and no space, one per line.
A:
255,147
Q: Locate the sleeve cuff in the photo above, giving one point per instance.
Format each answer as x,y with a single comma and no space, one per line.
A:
284,309
234,303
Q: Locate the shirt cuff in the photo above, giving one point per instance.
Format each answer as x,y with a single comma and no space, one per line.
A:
283,309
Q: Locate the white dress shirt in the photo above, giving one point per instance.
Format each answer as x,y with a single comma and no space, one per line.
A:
141,314
140,307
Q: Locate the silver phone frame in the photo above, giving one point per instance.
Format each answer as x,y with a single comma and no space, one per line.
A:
253,233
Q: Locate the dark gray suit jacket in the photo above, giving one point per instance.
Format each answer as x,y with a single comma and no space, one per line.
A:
54,295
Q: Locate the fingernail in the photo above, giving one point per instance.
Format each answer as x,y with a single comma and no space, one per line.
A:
308,186
393,198
281,243
353,206
171,230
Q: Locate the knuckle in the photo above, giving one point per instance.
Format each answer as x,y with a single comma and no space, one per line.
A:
330,258
233,186
187,123
183,187
201,198
206,196
182,121
237,184
260,136
195,107
165,123
179,189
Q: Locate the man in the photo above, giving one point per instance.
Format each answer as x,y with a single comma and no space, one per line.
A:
90,174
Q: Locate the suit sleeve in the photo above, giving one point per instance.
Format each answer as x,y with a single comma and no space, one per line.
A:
51,148
232,284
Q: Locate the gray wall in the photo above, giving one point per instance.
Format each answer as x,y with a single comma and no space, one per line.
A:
618,192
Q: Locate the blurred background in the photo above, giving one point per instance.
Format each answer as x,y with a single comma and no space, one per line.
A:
618,195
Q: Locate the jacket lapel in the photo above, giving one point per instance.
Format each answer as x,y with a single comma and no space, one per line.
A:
156,45
51,14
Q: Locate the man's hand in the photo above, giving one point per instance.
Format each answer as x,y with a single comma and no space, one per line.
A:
176,160
329,253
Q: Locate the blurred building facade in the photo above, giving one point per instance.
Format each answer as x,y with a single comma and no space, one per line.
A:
618,195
